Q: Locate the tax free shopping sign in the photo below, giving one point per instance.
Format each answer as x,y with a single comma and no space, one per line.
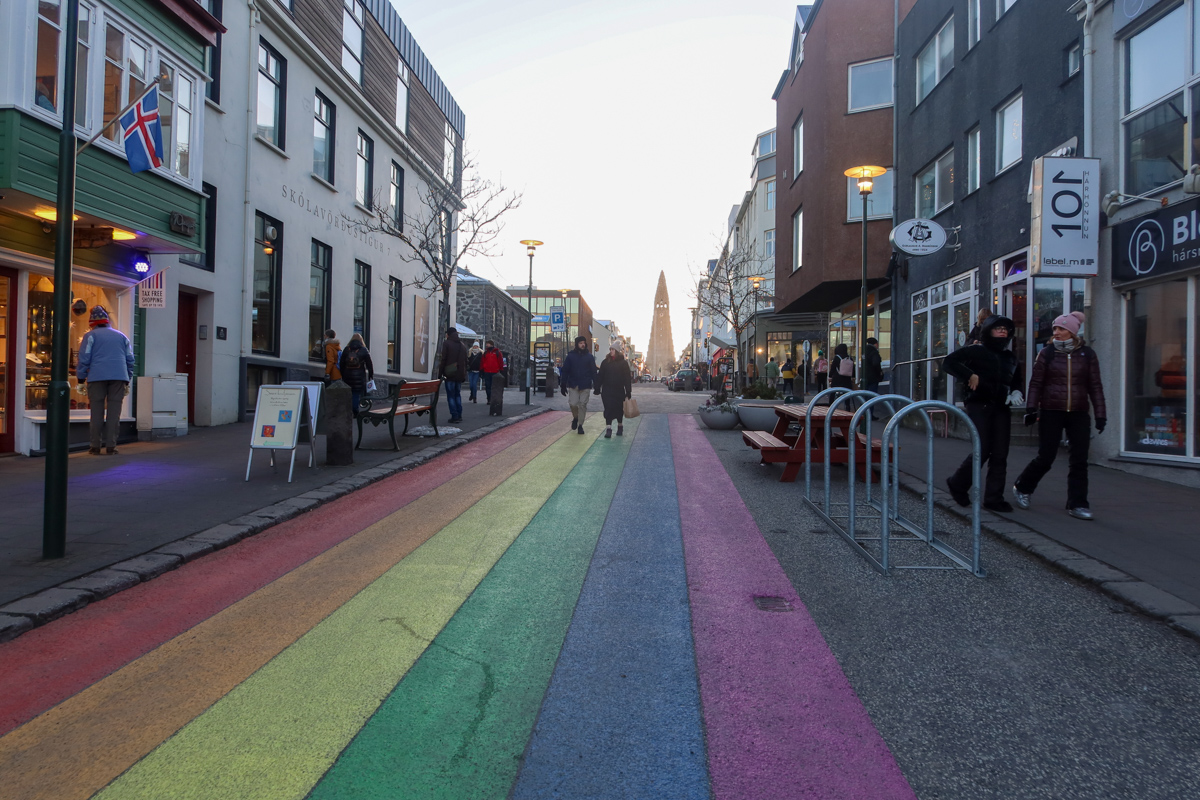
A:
1065,229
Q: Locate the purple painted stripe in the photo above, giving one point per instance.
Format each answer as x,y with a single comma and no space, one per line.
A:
781,718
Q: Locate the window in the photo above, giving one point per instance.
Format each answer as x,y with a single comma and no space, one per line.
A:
1009,124
766,144
402,98
212,56
264,311
871,85
125,64
879,202
362,300
798,240
396,199
449,165
935,186
445,231
974,24
1156,70
395,289
973,162
363,177
46,85
798,146
769,244
1074,59
1156,369
324,128
942,317
321,259
353,19
175,102
936,60
1002,6
272,93
770,194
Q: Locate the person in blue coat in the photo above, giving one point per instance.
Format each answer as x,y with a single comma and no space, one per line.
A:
105,365
578,372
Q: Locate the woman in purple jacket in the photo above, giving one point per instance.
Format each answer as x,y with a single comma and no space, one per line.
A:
1066,375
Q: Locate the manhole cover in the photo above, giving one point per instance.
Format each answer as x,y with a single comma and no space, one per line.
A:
768,603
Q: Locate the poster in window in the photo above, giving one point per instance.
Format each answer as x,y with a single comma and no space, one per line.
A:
420,334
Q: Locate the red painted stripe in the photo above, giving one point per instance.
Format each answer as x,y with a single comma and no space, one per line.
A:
49,664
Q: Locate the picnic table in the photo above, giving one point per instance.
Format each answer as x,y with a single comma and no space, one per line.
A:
785,444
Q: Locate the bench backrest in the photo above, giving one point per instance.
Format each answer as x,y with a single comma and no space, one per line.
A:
418,388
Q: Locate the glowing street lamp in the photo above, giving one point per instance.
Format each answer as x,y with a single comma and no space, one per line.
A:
864,176
532,245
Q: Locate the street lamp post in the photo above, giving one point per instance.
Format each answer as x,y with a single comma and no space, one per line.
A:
567,347
864,176
533,245
756,282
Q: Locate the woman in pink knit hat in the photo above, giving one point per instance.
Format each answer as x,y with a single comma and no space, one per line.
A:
1066,375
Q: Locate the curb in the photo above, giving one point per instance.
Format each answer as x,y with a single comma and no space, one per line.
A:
26,613
1117,584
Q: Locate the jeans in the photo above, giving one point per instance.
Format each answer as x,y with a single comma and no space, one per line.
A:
474,378
454,398
577,399
1051,424
100,394
487,384
994,423
355,399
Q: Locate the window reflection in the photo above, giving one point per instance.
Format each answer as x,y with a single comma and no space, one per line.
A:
1157,369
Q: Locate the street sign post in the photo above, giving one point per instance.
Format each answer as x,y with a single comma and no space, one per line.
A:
558,319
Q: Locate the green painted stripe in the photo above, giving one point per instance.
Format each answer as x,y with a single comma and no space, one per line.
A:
457,724
278,732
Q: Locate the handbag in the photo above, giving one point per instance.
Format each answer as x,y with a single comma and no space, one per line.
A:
629,408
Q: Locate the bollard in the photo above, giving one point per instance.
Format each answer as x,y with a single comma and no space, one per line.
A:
339,425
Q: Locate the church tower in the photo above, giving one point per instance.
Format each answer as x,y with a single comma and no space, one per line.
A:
661,353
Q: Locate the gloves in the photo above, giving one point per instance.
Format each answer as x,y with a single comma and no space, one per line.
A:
564,391
1100,423
595,391
629,397
1015,398
1031,416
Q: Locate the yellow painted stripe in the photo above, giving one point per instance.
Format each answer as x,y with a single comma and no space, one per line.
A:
76,748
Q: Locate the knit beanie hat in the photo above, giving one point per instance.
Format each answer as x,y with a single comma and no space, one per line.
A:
617,346
1071,322
99,316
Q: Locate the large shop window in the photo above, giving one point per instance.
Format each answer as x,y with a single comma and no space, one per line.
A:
40,334
942,318
1157,369
264,313
1156,105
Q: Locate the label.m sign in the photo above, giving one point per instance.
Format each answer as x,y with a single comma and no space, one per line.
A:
1064,236
1157,244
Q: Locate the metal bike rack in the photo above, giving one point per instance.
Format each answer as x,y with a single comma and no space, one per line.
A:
836,390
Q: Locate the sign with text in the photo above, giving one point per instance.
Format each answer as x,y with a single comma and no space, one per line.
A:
152,293
1065,224
558,319
919,237
1157,244
277,417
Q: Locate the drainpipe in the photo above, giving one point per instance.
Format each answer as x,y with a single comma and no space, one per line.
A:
248,207
1088,79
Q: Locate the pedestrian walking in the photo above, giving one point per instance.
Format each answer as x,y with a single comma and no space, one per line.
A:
993,382
974,337
357,369
614,384
772,373
788,373
1066,375
490,364
497,382
453,369
105,366
474,357
872,369
841,369
578,373
821,370
332,350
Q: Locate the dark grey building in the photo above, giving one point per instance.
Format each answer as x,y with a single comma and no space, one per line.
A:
984,87
488,310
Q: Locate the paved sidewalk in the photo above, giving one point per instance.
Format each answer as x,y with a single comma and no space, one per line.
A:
1143,545
154,494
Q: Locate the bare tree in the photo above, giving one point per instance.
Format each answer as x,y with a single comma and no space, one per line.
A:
448,222
725,293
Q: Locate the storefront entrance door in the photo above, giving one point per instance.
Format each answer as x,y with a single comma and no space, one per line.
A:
185,348
8,349
1016,306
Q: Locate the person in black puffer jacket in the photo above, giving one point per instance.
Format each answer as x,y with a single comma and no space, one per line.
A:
990,373
357,369
1066,375
614,384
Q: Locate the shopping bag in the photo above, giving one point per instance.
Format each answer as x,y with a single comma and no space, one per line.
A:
371,385
629,408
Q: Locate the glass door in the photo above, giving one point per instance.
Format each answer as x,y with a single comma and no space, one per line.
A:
8,282
1016,296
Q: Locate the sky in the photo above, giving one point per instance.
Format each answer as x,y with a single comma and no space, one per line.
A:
628,126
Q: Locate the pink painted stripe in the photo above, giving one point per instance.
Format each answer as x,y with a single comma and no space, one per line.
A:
781,718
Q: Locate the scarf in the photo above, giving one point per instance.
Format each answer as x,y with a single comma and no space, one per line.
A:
1065,346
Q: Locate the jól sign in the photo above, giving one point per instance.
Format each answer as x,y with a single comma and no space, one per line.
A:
1065,223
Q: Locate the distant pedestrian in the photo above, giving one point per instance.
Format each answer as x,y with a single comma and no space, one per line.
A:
788,373
974,337
332,350
614,384
578,373
841,369
1066,375
772,373
357,369
453,369
474,357
105,365
990,373
489,365
872,369
497,382
821,370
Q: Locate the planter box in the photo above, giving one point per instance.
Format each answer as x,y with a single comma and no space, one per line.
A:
719,420
758,415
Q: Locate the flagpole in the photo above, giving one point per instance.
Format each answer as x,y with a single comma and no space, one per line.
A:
58,408
120,114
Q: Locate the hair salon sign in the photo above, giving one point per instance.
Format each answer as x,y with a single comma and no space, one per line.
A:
1157,244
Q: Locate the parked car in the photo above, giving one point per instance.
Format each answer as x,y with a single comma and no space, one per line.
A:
685,379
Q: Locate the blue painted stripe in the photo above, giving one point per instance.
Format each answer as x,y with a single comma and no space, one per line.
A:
621,717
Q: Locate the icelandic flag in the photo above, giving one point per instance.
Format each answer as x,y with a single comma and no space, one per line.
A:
143,133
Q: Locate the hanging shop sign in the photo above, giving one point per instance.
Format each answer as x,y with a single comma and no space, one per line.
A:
919,237
1065,218
1157,244
152,292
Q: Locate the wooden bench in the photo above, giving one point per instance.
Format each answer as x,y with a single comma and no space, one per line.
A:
404,398
761,440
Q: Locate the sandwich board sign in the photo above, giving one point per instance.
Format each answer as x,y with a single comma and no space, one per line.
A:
278,417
